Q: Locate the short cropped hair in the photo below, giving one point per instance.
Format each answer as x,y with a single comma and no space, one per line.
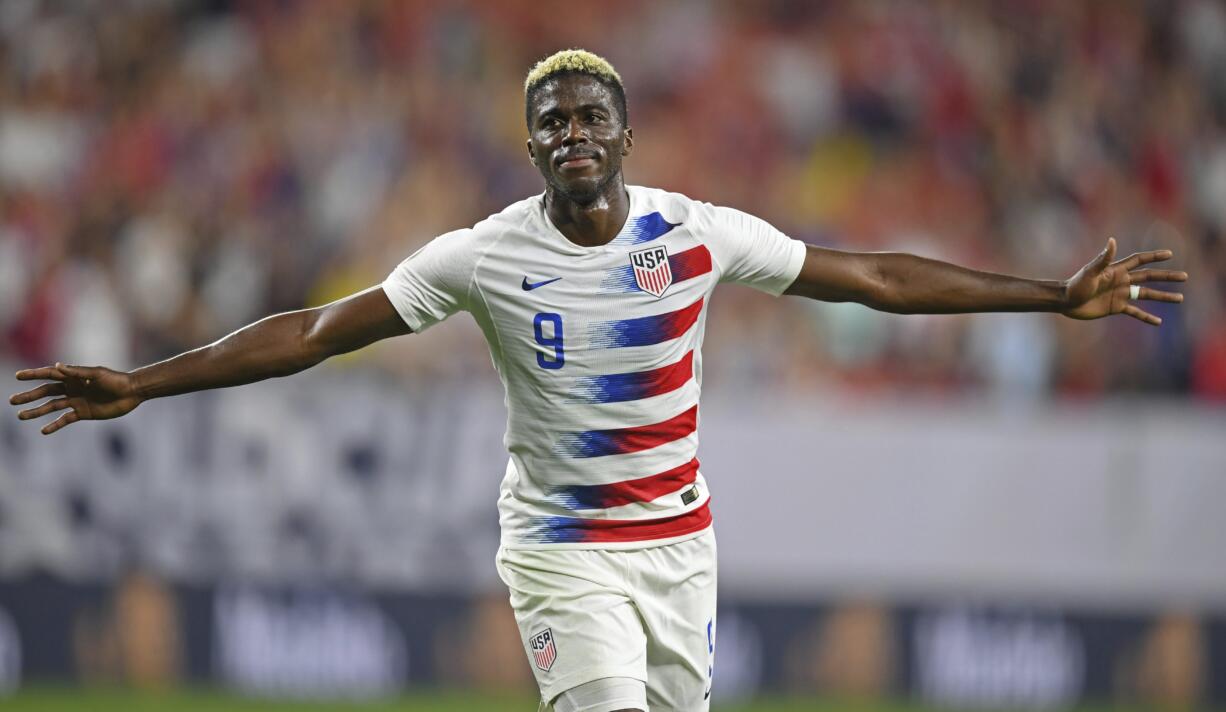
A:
574,61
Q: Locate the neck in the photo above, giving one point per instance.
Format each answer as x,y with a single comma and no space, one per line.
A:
593,223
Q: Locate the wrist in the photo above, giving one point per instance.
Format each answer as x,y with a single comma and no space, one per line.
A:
138,385
1064,301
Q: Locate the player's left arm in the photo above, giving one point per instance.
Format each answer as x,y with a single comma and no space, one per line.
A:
908,284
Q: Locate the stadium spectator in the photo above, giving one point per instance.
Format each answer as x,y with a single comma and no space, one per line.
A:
239,160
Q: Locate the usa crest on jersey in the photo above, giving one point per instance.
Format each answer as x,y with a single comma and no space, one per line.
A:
652,272
544,652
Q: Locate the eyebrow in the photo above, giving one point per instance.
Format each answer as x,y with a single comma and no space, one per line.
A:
555,111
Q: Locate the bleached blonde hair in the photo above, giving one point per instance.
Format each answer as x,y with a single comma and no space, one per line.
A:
571,60
574,61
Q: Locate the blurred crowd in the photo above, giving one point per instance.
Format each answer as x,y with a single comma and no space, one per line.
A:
170,171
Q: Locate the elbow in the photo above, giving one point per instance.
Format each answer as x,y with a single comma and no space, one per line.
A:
882,291
313,347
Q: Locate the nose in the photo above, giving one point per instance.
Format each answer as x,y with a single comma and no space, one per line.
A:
575,132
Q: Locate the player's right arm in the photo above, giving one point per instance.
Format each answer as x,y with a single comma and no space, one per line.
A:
278,345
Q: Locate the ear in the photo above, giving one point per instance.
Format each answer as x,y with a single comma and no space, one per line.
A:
628,146
531,153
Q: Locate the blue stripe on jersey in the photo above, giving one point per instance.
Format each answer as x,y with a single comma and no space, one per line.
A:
619,280
598,443
556,530
616,494
572,529
621,387
589,443
643,229
644,330
613,388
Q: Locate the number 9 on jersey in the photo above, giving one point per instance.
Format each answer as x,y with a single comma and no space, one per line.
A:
554,340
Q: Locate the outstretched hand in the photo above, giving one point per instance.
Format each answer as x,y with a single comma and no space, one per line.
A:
1102,287
86,393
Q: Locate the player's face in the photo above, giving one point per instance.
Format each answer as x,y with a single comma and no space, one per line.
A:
576,137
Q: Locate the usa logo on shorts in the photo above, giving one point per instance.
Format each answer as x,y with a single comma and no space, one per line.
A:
543,650
652,272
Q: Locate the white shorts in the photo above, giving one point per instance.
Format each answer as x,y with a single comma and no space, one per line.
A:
646,614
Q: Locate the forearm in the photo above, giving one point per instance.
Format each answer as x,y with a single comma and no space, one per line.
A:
908,284
278,345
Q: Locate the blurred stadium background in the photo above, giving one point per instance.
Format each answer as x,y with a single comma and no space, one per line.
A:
970,512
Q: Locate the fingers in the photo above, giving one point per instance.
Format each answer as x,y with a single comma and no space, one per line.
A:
1158,295
49,407
1136,312
65,419
1157,275
41,374
58,374
44,391
1144,258
82,372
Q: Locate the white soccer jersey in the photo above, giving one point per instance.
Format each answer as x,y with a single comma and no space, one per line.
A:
599,351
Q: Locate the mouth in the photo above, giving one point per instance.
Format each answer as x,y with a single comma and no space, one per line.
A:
577,160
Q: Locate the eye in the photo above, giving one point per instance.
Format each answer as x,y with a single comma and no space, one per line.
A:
595,118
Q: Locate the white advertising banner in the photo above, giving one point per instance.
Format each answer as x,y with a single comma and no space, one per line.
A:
339,478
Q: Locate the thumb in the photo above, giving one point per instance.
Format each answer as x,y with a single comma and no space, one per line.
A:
1108,254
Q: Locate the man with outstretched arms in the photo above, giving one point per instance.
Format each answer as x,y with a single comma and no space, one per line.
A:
593,298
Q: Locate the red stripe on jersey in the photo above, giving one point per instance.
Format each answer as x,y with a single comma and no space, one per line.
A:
616,494
621,530
680,321
598,443
667,379
645,437
691,263
619,387
645,330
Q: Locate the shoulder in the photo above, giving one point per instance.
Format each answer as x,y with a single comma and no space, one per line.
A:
514,216
487,231
666,202
677,207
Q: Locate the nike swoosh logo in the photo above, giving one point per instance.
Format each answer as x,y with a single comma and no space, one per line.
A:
529,286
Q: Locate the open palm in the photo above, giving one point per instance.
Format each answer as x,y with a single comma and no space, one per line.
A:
1102,287
88,393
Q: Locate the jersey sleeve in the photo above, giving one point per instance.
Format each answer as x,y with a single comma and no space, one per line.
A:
433,283
750,251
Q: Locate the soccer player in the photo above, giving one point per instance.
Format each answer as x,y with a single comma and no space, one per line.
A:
593,297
